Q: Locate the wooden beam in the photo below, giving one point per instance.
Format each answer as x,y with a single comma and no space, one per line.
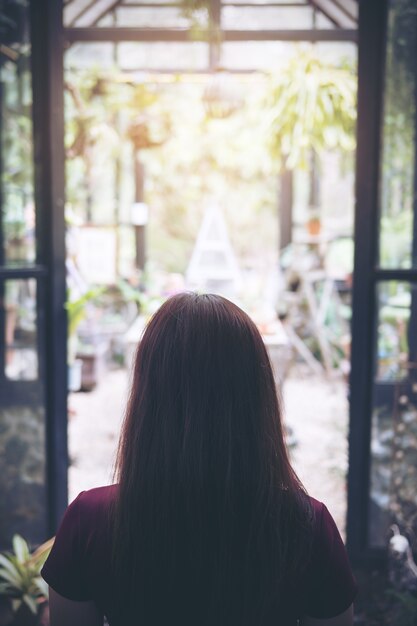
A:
155,35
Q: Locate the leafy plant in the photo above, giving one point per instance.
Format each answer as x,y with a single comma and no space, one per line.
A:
76,308
313,107
201,14
20,578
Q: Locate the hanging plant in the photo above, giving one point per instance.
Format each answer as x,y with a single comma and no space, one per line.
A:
194,9
204,19
312,108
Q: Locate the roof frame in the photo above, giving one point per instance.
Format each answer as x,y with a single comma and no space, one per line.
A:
213,36
216,8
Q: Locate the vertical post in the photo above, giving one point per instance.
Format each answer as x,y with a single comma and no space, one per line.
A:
314,191
117,185
285,208
412,325
2,243
372,29
140,235
48,131
214,17
117,164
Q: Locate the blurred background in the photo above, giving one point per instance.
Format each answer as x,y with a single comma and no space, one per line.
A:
264,151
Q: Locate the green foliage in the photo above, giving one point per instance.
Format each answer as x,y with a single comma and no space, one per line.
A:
395,237
312,107
76,308
197,160
100,112
398,133
200,13
20,578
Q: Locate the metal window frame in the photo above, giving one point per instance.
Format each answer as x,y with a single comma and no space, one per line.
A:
371,61
48,137
373,19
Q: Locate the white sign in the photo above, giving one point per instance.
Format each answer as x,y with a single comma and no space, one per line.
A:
96,258
139,214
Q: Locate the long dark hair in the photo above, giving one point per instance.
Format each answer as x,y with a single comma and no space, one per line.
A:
211,522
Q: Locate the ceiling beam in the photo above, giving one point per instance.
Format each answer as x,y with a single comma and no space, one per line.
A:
342,7
155,35
82,12
324,12
109,9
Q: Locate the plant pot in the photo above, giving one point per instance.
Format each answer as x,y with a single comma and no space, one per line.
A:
93,365
314,226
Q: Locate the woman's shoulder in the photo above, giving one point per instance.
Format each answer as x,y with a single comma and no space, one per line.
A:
323,522
91,509
317,509
97,497
316,505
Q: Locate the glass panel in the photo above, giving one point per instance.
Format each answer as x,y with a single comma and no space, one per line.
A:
23,507
323,22
393,342
17,213
157,17
273,55
21,353
397,248
84,12
165,56
254,55
236,18
393,498
90,55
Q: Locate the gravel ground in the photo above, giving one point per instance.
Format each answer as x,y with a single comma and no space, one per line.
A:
315,410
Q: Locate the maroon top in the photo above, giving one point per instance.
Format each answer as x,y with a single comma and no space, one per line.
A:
79,565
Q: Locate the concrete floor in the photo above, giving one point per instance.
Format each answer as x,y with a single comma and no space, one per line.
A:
315,409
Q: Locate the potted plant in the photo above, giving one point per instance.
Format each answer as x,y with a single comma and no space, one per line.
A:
23,593
312,109
313,223
76,310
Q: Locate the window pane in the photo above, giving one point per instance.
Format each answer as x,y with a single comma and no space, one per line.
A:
165,56
267,18
393,497
20,331
16,162
23,490
397,248
394,301
152,17
23,507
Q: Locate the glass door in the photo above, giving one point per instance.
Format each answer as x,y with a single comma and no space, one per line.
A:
393,468
32,276
383,435
23,497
